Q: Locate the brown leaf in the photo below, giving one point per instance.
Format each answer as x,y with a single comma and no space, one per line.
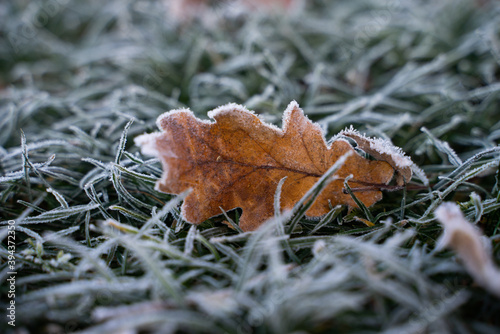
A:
237,161
187,10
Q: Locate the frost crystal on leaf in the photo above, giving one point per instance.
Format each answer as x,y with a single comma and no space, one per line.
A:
382,149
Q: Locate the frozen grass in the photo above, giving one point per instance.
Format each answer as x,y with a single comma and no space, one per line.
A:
100,251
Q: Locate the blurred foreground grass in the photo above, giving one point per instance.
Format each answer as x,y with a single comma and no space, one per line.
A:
100,251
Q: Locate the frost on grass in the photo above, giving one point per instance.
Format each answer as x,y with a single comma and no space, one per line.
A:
471,246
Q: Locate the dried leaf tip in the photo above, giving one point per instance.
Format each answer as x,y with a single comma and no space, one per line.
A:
471,246
147,143
382,149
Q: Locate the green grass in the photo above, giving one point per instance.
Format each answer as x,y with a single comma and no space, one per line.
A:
79,80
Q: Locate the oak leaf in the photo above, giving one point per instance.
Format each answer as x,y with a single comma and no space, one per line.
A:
238,161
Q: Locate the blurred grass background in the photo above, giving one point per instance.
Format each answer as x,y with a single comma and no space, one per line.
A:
100,251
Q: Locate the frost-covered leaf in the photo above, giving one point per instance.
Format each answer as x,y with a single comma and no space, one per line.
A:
471,246
238,161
